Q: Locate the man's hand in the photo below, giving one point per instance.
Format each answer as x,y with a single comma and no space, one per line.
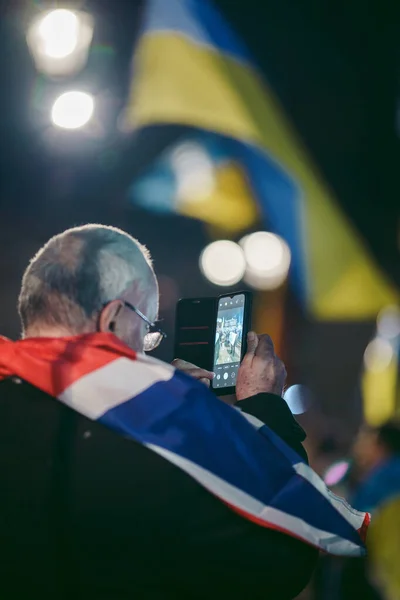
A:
261,370
190,369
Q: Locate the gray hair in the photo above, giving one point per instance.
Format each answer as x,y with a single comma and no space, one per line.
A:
77,272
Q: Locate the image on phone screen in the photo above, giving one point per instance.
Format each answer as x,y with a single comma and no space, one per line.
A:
228,340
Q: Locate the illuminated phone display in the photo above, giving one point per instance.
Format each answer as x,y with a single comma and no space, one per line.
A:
229,338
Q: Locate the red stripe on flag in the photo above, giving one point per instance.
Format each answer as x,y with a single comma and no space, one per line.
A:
263,522
364,527
53,364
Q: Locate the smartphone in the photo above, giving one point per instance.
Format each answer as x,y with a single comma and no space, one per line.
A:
195,331
233,322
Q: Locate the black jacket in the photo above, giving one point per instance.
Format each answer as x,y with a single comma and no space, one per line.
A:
86,513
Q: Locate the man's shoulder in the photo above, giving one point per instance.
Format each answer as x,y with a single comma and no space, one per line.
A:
97,467
41,423
22,403
34,424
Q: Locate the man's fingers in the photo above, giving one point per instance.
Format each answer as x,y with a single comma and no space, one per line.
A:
205,381
265,347
200,373
183,365
261,370
252,343
192,370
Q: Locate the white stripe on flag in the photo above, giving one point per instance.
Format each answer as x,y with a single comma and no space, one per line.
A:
251,419
352,516
232,495
96,393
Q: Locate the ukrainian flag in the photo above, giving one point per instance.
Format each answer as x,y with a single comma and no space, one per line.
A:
190,69
380,381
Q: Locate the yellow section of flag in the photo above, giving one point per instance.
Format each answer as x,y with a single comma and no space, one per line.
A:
231,194
179,81
379,394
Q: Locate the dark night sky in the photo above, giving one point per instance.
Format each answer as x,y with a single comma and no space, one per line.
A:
333,65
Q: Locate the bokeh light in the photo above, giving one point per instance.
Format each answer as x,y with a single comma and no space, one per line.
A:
378,355
267,258
223,263
59,41
388,322
72,110
298,398
336,472
194,172
58,31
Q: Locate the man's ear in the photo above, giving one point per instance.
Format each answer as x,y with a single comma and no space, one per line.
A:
108,316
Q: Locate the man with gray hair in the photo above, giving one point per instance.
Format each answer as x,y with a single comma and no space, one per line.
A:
78,283
92,278
121,475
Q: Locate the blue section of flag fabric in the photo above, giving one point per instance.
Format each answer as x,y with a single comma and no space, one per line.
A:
279,198
197,20
182,417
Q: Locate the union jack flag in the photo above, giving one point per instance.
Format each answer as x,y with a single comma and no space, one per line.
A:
233,455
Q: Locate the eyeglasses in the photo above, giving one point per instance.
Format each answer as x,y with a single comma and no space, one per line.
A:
154,335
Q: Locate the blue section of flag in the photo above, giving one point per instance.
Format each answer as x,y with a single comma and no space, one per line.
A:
181,416
279,198
197,20
156,189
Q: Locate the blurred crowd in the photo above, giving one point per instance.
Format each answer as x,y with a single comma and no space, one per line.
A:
370,481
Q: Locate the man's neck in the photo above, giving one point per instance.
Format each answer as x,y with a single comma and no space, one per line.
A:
51,332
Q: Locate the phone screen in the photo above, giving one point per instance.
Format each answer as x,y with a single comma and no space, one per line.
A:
228,340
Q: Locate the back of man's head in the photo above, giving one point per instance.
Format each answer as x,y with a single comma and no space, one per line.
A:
77,273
